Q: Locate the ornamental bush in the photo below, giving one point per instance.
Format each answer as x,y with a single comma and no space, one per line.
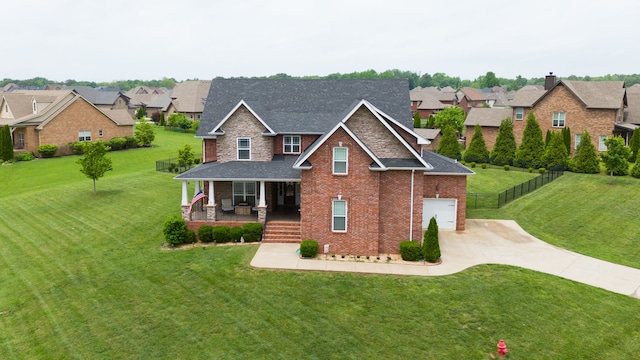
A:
235,233
47,150
117,143
410,250
189,236
477,151
504,150
635,172
174,230
220,234
252,232
585,159
205,233
308,248
77,147
131,142
531,150
25,156
430,243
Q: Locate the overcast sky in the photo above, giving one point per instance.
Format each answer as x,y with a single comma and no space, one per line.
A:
184,39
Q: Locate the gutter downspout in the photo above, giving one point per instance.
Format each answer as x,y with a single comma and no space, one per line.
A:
411,207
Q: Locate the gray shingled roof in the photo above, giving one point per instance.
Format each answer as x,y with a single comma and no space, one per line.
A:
491,117
280,168
632,112
304,106
444,165
189,96
598,94
527,97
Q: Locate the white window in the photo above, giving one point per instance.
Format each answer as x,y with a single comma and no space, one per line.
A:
291,144
558,119
340,160
244,149
84,135
244,192
601,145
339,218
578,140
100,133
519,113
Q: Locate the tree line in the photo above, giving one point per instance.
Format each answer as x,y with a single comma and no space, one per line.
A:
415,79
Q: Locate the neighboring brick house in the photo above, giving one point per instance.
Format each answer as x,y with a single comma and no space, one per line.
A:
470,98
432,135
489,119
102,99
595,106
188,98
427,101
341,153
58,117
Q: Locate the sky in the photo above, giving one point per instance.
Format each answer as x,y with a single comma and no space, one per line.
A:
105,41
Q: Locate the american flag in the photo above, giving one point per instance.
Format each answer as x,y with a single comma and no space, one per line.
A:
197,196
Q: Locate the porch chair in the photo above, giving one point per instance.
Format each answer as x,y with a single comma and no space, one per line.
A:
226,205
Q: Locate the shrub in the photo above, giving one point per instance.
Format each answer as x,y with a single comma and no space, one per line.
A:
205,233
484,166
504,149
308,248
477,151
430,243
235,233
252,232
130,142
473,164
220,234
174,230
530,169
197,160
635,172
77,147
410,250
189,236
506,167
25,156
47,150
117,143
542,170
586,158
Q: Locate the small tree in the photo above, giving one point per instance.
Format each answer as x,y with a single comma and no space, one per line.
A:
451,116
431,122
449,145
144,133
6,145
140,113
615,159
566,135
555,155
185,156
477,151
162,121
531,150
94,162
586,158
547,138
635,172
634,145
504,150
430,243
417,122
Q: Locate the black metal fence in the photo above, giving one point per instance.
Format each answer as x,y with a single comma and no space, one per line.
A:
173,166
493,201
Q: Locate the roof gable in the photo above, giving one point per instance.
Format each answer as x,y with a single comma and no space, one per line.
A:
217,130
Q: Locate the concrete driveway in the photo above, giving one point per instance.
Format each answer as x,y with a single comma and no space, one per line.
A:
483,242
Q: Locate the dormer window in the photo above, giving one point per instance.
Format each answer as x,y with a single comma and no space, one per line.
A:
35,106
291,144
244,148
340,160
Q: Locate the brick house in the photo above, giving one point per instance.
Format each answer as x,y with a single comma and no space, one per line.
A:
595,106
340,155
489,119
188,98
58,117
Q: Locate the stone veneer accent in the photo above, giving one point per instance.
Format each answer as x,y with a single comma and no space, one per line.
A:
376,136
242,123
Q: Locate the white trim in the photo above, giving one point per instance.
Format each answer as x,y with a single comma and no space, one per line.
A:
235,108
346,160
333,215
243,149
284,144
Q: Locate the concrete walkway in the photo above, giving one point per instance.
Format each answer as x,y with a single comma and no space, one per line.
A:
483,242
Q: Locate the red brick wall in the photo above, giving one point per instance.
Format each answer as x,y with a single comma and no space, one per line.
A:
210,150
305,142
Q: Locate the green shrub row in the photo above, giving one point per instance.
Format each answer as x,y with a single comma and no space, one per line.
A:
25,156
249,232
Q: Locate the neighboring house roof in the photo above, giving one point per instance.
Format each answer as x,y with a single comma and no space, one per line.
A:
95,96
632,111
303,106
120,116
429,134
10,87
190,96
473,94
430,102
526,97
597,94
487,117
161,102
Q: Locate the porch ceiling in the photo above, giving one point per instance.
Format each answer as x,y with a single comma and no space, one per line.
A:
280,168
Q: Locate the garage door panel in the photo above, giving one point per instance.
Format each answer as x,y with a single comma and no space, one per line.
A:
444,210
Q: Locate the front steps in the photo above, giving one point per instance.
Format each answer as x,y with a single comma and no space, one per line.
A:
281,232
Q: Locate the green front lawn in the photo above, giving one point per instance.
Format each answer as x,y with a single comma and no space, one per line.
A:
85,277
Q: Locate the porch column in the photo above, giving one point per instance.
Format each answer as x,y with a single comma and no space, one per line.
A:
262,195
197,187
185,198
211,194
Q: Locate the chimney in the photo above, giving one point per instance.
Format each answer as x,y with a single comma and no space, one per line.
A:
549,81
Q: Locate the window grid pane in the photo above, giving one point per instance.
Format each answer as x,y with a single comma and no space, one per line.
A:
339,215
339,160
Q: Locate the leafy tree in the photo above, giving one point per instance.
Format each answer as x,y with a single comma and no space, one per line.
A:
477,151
140,113
566,136
504,150
431,122
634,145
186,156
94,162
489,80
6,145
416,120
179,120
556,155
430,243
531,150
449,145
586,158
162,120
451,116
635,172
144,133
615,159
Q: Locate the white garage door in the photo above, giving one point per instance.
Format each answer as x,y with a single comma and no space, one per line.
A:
444,211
